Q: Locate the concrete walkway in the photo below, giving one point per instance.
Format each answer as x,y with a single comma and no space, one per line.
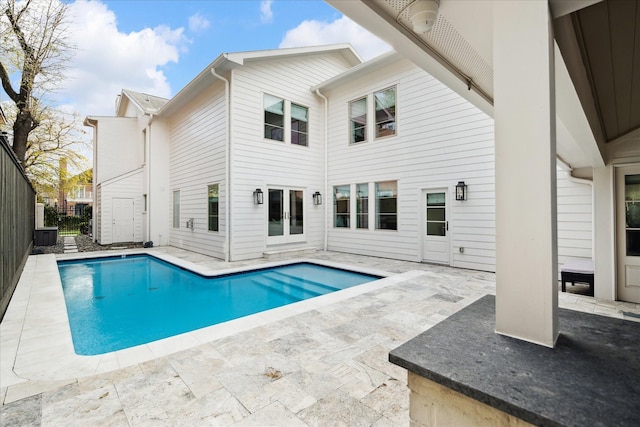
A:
70,246
325,366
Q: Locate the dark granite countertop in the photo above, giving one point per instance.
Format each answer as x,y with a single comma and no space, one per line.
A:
591,377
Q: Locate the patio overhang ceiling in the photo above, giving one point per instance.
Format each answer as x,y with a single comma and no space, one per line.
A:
599,49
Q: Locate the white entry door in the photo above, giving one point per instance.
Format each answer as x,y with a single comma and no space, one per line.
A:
628,233
435,244
285,215
122,220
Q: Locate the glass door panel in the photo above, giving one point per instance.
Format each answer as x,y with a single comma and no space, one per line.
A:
436,214
296,217
632,214
276,213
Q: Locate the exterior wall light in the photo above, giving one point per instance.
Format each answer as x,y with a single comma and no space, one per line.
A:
258,197
317,198
461,191
423,14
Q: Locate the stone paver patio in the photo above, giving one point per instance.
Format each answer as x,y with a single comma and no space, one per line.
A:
324,364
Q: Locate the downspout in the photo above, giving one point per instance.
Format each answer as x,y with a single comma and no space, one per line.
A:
326,168
148,164
94,124
227,150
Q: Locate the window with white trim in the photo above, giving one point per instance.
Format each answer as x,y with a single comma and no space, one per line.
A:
385,112
342,206
213,207
285,121
358,120
176,209
387,205
273,118
381,105
362,206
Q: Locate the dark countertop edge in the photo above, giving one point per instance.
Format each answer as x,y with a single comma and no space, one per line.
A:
473,393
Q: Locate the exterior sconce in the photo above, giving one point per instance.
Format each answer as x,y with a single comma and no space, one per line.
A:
317,198
258,197
461,191
423,14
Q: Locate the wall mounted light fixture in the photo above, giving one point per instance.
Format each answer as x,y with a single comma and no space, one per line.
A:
317,198
461,191
423,14
258,197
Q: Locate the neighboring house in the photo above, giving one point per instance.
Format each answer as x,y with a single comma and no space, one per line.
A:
383,143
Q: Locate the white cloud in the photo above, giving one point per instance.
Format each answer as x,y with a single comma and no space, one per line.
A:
198,23
266,14
107,60
342,30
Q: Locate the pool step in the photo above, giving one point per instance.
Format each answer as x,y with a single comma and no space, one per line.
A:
293,291
288,251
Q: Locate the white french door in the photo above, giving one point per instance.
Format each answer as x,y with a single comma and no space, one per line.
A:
628,225
435,243
285,215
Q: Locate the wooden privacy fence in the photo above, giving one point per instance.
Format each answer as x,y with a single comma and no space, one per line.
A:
17,221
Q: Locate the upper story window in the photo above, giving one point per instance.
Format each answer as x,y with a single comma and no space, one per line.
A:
385,112
380,105
273,118
299,121
358,120
285,121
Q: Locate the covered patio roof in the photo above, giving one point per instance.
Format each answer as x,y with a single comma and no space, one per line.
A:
597,51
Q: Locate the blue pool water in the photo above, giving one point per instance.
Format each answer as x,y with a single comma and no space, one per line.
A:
116,303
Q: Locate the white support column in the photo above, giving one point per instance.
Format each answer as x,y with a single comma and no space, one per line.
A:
604,262
526,226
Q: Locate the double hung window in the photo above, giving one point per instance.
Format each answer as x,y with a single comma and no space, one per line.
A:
358,120
362,205
342,203
273,118
213,207
387,205
176,209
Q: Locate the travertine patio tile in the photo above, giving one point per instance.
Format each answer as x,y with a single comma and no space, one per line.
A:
275,414
339,409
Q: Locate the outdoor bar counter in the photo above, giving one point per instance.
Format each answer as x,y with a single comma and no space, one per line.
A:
463,373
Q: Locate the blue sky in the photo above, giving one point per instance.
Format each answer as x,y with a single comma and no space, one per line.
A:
157,47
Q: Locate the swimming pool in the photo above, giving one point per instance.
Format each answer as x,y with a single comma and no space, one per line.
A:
119,302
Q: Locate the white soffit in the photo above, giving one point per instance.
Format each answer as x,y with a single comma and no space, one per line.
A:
470,52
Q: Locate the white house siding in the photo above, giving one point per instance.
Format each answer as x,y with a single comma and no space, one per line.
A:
197,135
115,136
127,186
441,139
261,163
575,218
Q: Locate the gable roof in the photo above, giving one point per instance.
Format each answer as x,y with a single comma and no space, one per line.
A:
228,61
148,104
370,66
